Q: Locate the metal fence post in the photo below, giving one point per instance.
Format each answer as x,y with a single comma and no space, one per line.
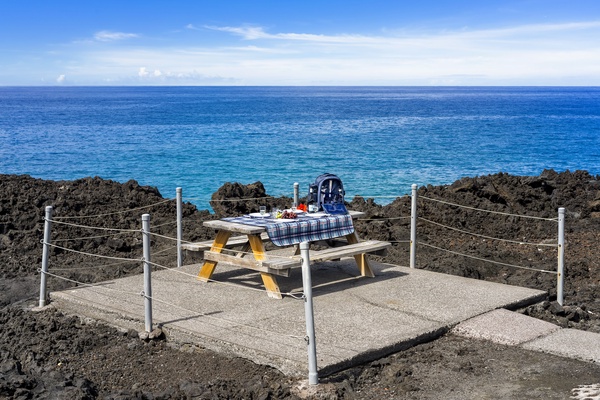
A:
313,377
296,193
179,228
413,226
45,255
561,257
147,272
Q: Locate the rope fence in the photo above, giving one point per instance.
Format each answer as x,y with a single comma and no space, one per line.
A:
123,260
90,237
87,254
486,260
487,211
129,261
84,284
305,295
54,221
381,219
559,245
488,237
116,212
234,199
180,241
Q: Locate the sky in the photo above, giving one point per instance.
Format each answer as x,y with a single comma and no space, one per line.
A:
292,42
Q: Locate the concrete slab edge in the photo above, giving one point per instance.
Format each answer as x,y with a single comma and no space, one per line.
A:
504,327
541,296
376,354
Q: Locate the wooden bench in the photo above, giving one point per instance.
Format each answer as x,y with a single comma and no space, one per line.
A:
280,265
234,241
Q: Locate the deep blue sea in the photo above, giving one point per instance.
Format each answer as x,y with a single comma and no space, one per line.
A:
379,140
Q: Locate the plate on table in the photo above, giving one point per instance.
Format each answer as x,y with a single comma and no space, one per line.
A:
285,219
318,214
259,215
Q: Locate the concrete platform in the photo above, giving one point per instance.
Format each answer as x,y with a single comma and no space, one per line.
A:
357,319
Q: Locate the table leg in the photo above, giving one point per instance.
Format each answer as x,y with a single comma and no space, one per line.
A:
269,280
361,259
218,245
243,251
271,285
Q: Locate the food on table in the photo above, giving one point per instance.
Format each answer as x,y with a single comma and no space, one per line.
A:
288,215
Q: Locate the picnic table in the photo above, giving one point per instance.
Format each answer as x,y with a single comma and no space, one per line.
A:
337,231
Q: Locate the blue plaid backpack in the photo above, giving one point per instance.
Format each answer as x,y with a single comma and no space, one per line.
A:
327,194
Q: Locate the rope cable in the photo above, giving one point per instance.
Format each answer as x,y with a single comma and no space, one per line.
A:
163,250
247,198
116,212
96,266
488,211
488,237
381,219
131,261
88,254
490,261
91,227
168,237
375,197
161,225
89,237
91,285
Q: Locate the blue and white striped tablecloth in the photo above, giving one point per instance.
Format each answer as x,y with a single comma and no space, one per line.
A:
303,229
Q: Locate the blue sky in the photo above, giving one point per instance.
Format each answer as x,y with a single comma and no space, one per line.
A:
374,42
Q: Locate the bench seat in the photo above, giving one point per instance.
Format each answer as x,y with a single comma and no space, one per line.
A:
281,265
233,241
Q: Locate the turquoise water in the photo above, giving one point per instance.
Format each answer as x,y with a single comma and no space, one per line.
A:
379,140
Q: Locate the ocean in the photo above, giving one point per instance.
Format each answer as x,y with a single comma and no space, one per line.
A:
379,140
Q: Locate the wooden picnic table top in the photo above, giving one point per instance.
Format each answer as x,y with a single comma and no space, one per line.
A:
253,229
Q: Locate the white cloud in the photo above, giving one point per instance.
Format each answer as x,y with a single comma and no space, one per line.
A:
108,36
254,33
143,73
539,53
60,79
543,54
428,39
174,77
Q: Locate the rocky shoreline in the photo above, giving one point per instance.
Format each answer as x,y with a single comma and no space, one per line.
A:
48,355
